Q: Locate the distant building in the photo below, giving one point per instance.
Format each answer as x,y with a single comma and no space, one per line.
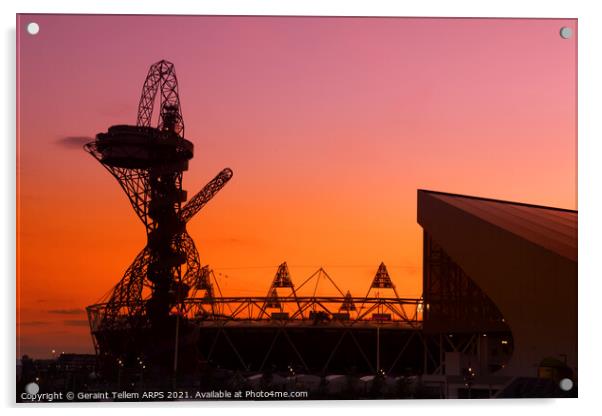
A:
68,372
76,362
492,267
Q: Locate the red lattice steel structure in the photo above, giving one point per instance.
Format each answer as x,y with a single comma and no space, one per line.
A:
286,307
148,163
168,306
292,325
168,311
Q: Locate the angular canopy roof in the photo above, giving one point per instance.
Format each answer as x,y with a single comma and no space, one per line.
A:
554,229
524,258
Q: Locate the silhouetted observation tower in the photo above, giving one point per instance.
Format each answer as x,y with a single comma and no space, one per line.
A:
148,162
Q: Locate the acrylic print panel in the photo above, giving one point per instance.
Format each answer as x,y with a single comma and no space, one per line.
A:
296,208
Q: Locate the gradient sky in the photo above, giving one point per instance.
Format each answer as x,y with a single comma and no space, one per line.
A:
330,126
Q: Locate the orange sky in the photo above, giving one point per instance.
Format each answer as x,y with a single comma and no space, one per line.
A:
330,126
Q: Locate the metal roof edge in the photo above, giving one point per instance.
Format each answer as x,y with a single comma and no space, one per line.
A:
497,200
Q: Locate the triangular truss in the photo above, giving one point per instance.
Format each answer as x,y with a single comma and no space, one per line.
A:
348,304
203,281
273,301
314,281
382,280
206,289
383,307
315,304
282,277
282,280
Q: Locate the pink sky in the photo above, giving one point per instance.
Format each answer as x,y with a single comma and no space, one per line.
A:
330,126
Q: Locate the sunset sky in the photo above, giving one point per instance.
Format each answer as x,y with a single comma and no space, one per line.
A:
329,124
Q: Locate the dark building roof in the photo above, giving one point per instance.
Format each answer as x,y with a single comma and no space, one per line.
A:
554,229
524,258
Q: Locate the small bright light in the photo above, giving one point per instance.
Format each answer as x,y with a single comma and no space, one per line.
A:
566,384
33,28
504,342
566,32
32,388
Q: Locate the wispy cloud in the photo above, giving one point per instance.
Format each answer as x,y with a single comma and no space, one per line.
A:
73,142
75,322
34,323
72,311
